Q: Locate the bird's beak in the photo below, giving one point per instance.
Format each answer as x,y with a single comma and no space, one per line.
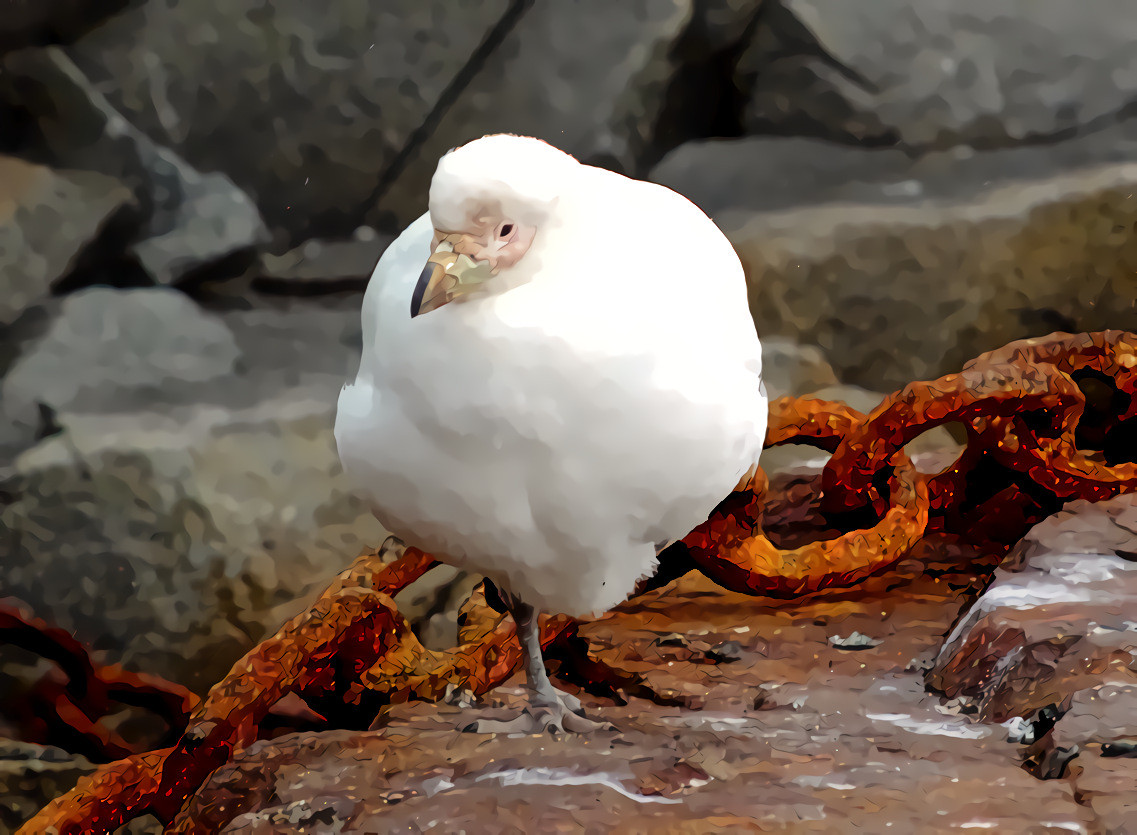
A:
448,275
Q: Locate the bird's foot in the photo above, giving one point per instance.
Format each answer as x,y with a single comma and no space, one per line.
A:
560,714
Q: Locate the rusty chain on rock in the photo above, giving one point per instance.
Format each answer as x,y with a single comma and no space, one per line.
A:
1031,444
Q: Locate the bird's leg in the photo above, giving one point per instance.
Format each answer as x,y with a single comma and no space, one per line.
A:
548,708
541,690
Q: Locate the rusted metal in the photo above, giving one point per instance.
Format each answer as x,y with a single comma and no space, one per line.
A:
1026,453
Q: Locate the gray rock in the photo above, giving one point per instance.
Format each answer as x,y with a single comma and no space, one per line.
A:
777,173
588,76
789,368
112,350
930,74
234,358
722,24
319,265
300,107
431,604
175,542
906,273
47,220
192,219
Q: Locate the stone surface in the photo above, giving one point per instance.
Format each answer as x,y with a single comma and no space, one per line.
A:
929,74
789,368
1104,716
587,75
174,543
901,272
191,220
323,266
47,220
787,732
191,494
303,109
1106,786
1057,618
109,350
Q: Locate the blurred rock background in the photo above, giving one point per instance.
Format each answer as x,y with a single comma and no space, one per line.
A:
193,195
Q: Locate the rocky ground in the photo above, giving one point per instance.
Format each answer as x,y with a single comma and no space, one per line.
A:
193,195
798,717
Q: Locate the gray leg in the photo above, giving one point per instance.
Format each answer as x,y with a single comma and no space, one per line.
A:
542,691
549,708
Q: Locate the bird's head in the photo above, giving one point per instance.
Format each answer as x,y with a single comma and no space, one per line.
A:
489,199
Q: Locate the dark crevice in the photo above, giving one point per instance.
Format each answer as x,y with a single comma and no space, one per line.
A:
703,99
784,38
58,24
446,100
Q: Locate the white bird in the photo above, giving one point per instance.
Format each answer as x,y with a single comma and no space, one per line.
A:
572,383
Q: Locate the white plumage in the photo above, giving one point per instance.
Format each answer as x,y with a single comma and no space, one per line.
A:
596,400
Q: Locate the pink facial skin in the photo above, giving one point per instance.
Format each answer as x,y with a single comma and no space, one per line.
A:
499,241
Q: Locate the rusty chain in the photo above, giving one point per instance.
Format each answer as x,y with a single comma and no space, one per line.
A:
1031,444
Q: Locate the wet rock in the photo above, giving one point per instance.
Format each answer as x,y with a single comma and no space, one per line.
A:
47,220
192,220
1056,619
599,103
843,740
1094,744
1104,716
304,110
319,266
901,271
1105,786
931,74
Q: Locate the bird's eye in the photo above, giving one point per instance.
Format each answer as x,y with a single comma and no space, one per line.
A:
505,231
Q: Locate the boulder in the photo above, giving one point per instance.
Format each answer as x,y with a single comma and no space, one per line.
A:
48,219
904,270
303,109
191,219
112,350
174,542
185,492
598,103
1056,619
322,266
923,74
